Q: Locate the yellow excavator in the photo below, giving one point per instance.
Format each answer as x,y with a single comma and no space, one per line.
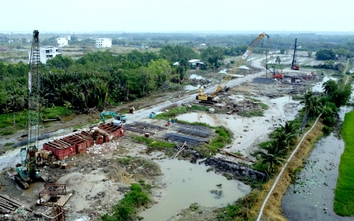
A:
209,98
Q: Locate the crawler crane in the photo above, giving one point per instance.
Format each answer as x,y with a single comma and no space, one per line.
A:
202,97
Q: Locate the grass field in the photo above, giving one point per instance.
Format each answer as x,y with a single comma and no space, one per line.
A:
344,192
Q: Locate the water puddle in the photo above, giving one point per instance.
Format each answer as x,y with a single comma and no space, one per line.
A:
249,131
188,183
195,76
318,86
191,87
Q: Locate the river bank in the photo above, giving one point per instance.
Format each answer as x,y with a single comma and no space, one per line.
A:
273,209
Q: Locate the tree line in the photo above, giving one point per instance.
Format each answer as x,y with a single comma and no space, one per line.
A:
102,78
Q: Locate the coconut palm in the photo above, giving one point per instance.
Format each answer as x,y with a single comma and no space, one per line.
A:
312,108
284,136
270,156
329,87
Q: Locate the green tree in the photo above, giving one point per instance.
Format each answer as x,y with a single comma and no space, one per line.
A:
60,62
213,56
309,53
284,136
312,108
161,70
329,87
270,156
325,54
177,53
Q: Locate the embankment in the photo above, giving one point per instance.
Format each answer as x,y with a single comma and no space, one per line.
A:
272,210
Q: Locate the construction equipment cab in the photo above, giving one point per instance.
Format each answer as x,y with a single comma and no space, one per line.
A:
209,98
122,118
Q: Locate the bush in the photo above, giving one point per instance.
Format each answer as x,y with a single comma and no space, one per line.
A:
125,209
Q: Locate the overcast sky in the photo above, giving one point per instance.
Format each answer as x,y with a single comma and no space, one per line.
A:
73,16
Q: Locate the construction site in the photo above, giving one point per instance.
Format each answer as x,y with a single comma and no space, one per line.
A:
80,174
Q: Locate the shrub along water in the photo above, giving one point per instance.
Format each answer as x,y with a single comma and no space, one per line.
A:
125,209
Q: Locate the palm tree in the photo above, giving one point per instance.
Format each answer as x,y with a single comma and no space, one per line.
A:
284,136
67,106
329,87
312,107
269,160
270,156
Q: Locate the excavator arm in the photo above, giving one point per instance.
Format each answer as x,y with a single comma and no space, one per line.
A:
102,114
115,116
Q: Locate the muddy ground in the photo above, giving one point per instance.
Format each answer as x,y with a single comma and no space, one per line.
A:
100,177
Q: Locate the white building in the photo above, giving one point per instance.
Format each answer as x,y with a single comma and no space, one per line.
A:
194,63
61,42
47,52
103,43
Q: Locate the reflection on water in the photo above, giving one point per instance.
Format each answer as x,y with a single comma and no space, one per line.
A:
187,183
311,197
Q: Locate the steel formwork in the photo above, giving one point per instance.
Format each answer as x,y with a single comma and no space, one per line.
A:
194,141
79,142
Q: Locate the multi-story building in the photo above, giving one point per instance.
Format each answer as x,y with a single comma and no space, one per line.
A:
103,43
61,42
47,52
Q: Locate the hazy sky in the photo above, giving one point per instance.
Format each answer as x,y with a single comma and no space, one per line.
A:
173,16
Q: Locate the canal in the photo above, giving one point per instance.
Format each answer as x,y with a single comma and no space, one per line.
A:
311,197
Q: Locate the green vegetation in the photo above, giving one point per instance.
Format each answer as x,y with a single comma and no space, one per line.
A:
252,113
223,137
9,144
173,112
325,54
125,161
273,152
126,208
264,106
344,192
239,209
54,112
97,79
15,121
12,121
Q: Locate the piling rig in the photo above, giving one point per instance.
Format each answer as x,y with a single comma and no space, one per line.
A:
27,170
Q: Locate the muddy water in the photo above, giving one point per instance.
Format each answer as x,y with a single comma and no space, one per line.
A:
318,86
311,197
187,183
249,131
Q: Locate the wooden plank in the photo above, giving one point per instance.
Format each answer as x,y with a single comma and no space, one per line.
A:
15,202
234,155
